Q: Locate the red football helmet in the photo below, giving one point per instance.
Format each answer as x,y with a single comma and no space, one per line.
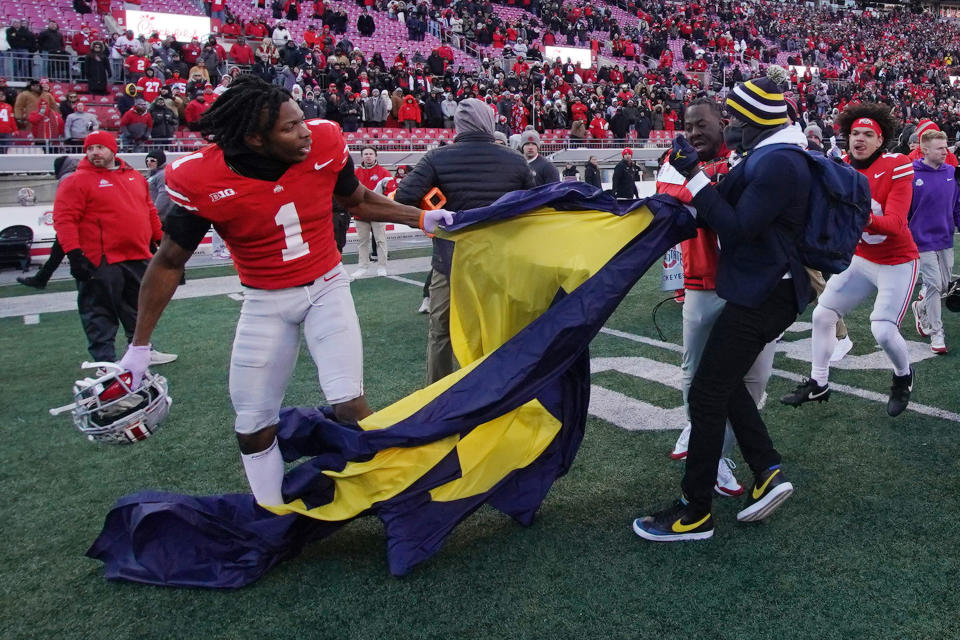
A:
107,409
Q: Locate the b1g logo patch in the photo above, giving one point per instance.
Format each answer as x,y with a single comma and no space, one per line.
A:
220,195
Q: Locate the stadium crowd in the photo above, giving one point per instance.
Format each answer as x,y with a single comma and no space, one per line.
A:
649,67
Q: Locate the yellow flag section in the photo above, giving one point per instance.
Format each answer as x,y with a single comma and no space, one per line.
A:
504,275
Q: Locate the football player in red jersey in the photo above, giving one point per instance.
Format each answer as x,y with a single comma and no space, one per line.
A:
885,262
266,184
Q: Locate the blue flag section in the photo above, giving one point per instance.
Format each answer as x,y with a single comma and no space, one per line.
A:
534,277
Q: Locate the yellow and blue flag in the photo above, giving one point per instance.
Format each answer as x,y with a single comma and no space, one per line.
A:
534,277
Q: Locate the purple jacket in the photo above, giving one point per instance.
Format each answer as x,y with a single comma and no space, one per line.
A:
935,210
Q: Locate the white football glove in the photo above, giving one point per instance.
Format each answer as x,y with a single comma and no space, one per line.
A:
136,360
430,219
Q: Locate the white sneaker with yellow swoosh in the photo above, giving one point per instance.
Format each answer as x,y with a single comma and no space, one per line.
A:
674,524
769,491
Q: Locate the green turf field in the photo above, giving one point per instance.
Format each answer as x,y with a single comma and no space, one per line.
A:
863,549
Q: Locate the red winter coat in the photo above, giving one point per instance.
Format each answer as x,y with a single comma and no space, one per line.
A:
45,123
106,213
409,110
195,109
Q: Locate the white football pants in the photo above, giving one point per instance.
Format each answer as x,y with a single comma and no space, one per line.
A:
893,284
267,344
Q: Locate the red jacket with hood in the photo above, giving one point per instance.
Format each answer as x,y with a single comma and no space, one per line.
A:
106,213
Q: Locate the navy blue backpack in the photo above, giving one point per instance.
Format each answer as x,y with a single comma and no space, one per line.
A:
839,207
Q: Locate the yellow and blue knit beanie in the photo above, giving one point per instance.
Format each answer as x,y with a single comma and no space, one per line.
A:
760,101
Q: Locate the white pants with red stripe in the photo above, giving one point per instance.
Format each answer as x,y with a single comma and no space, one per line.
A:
893,285
267,344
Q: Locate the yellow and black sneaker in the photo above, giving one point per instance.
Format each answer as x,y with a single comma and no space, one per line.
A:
769,491
676,523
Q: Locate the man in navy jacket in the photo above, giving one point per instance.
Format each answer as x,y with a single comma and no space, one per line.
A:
758,217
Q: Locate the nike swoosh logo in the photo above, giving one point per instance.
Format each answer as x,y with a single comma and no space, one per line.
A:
319,166
326,279
758,491
679,527
877,175
814,396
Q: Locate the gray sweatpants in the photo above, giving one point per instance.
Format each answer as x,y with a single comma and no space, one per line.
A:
700,312
935,270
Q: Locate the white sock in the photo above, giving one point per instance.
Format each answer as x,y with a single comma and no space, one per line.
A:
824,341
264,471
889,338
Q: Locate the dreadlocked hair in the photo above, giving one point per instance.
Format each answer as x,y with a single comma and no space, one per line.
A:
249,106
873,110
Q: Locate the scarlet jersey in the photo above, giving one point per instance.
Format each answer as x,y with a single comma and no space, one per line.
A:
280,234
887,238
700,253
8,123
372,176
149,88
136,64
177,84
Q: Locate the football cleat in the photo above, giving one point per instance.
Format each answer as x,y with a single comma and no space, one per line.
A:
768,492
842,348
807,391
920,318
680,449
381,271
900,394
938,343
359,273
424,306
106,408
727,484
674,524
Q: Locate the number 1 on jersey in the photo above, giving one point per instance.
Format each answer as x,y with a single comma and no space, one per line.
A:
288,218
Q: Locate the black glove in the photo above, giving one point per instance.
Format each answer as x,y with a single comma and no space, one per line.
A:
683,157
80,266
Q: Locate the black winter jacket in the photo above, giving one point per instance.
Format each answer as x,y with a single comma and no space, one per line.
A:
625,175
472,172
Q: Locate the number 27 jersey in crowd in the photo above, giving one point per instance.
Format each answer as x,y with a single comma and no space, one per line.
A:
280,233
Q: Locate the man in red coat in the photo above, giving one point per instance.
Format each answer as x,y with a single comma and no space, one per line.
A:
241,52
106,222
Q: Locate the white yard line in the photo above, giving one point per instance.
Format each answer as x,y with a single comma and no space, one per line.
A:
842,388
199,288
31,306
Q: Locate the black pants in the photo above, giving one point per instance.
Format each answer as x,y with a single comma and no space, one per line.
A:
56,257
717,392
341,224
107,300
426,285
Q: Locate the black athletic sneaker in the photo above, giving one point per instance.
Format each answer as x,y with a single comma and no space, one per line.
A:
674,524
769,491
32,281
900,394
807,391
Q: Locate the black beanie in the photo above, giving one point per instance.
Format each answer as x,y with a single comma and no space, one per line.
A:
158,155
58,164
